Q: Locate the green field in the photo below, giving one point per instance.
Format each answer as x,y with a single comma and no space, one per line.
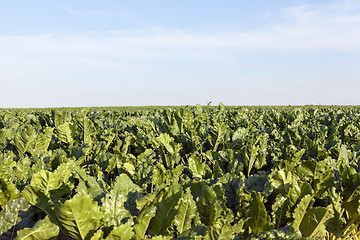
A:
186,172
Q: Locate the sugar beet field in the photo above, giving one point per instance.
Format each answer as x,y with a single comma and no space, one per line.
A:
194,172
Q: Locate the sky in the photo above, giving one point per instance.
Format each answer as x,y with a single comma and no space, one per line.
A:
140,53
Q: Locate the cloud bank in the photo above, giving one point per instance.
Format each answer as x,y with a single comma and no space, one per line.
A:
37,62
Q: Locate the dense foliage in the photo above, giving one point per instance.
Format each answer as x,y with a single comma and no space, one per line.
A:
180,173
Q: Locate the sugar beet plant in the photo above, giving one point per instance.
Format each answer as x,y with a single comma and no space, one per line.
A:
180,173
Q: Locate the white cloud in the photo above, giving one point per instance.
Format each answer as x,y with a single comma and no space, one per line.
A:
305,28
93,13
301,28
28,63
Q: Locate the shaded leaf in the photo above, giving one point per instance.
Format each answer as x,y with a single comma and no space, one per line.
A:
42,230
259,183
10,214
314,221
259,220
280,211
220,231
193,233
8,192
165,211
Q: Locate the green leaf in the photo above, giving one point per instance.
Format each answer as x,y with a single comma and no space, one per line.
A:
43,140
89,130
166,211
66,170
98,235
43,230
10,214
149,199
129,168
217,134
186,212
297,191
259,220
314,221
119,203
66,132
22,169
259,183
46,181
45,189
220,231
334,226
94,188
79,217
196,166
239,134
281,180
114,210
300,211
125,185
351,194
250,154
59,117
193,233
36,197
162,237
298,155
239,226
306,170
343,158
208,206
143,221
232,186
25,140
89,185
280,211
8,192
323,177
212,206
165,140
277,234
123,232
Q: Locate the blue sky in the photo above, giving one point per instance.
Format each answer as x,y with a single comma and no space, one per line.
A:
129,53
